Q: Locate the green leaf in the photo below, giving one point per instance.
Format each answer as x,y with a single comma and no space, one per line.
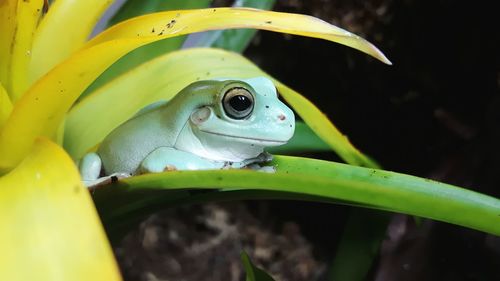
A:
253,273
359,244
232,39
309,179
134,8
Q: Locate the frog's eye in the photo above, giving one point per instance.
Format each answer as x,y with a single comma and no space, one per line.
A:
238,103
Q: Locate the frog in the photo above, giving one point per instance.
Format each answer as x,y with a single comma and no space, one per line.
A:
223,123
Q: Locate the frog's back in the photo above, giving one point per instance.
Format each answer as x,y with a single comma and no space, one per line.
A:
123,150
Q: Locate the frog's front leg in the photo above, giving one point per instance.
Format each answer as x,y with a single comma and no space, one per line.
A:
90,166
253,163
90,169
168,158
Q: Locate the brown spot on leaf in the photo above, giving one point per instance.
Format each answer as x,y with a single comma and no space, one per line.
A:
171,23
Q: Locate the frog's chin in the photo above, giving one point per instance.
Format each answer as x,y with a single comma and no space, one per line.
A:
250,140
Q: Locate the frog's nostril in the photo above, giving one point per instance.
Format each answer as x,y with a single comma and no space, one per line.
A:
282,117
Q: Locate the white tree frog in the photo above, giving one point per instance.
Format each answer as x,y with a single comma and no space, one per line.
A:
210,124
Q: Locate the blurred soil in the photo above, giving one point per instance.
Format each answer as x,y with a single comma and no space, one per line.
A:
205,242
435,113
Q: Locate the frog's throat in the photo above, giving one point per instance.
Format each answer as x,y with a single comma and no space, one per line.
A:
273,142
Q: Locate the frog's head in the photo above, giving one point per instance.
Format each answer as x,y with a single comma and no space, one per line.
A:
245,116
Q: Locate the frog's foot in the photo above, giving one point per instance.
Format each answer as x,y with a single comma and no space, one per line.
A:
261,158
265,157
105,180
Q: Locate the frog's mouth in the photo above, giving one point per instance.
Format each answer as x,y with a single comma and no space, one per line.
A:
267,142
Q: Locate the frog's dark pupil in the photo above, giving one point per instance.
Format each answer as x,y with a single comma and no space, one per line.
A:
240,103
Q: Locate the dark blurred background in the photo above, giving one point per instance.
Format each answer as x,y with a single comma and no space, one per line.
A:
435,113
435,106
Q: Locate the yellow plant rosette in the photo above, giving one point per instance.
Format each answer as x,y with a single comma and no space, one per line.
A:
49,228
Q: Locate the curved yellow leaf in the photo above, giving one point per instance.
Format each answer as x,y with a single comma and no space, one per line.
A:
42,108
28,15
8,10
189,21
5,105
324,128
63,30
164,77
49,229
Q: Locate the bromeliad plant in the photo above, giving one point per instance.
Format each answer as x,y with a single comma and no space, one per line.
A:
48,222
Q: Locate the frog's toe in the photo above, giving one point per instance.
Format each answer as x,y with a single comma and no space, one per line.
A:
267,169
118,176
105,180
259,168
265,157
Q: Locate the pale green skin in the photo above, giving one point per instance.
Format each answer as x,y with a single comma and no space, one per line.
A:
193,132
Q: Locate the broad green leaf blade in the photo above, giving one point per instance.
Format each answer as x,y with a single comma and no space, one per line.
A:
171,73
63,30
359,245
28,15
5,105
253,273
133,8
49,229
190,21
374,188
235,40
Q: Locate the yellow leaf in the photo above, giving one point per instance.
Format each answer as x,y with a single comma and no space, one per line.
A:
161,79
8,9
41,109
28,15
5,105
189,21
49,229
63,30
324,128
